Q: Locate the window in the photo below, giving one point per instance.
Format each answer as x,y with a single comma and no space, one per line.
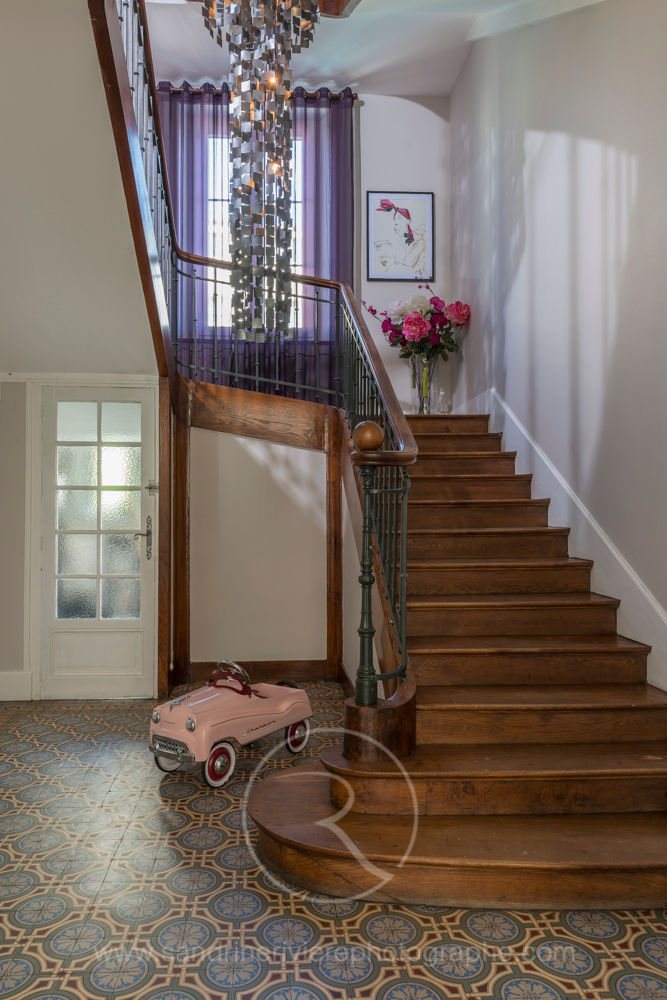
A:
218,221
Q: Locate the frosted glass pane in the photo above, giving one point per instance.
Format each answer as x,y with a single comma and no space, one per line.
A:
77,509
76,598
121,421
121,466
121,598
77,554
121,554
77,466
77,421
121,510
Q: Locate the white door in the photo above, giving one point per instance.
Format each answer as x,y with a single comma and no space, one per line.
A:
98,543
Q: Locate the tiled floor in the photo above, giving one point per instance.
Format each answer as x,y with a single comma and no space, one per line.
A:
117,881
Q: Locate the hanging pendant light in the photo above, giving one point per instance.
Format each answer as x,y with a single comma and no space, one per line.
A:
261,36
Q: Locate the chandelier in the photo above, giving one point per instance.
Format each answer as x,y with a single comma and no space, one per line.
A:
261,36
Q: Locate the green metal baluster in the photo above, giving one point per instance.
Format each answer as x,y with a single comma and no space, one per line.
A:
366,686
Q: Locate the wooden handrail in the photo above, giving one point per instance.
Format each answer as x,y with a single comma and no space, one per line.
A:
406,453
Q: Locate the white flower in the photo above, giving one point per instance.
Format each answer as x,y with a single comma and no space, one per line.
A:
397,309
420,303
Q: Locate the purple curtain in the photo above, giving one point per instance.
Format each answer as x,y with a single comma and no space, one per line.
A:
188,118
324,124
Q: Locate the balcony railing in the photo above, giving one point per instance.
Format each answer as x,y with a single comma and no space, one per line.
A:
326,354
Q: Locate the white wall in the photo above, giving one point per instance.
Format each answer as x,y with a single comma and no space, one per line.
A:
12,528
403,146
69,283
559,242
258,550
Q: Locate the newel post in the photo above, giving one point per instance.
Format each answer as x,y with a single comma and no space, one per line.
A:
367,437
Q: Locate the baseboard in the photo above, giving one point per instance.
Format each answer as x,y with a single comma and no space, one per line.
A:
640,615
15,685
268,671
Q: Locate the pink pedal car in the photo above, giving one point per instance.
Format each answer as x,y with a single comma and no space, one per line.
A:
200,725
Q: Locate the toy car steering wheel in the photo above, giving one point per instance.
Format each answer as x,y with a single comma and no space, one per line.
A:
227,670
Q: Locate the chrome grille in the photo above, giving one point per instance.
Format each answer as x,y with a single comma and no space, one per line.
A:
170,746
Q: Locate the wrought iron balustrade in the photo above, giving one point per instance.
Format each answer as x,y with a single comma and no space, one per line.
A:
326,354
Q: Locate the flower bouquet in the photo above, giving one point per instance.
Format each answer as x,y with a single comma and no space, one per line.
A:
423,329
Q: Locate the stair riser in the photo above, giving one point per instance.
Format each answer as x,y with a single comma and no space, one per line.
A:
464,424
558,725
511,516
518,795
552,580
512,621
492,488
529,668
476,465
476,886
540,544
457,442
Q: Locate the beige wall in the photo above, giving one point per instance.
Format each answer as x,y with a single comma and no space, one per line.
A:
403,146
258,550
69,283
12,524
559,241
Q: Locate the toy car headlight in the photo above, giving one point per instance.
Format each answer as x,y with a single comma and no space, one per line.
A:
155,717
190,725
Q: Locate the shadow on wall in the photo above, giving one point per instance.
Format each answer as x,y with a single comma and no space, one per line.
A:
559,228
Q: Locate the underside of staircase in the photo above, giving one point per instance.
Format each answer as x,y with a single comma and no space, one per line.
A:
540,774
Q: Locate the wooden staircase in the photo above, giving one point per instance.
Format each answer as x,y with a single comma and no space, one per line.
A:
540,775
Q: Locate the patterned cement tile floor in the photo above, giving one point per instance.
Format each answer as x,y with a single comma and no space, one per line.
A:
117,881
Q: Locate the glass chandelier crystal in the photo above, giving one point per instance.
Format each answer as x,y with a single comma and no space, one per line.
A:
261,35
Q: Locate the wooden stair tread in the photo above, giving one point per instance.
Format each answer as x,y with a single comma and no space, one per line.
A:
512,761
480,503
457,455
290,805
516,562
477,601
423,420
415,472
493,644
582,697
482,532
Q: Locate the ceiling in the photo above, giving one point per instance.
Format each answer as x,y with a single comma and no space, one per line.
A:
383,47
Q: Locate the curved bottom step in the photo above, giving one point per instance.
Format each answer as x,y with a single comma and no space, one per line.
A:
603,860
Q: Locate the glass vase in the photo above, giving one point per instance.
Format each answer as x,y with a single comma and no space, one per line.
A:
423,369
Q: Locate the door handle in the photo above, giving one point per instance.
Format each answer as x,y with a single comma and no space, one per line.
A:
148,535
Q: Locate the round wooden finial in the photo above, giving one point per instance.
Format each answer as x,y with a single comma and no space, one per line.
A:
367,436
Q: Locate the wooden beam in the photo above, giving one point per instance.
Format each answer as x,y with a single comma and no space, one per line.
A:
164,551
294,422
181,672
334,527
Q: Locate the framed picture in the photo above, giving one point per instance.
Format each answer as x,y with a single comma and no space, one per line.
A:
399,231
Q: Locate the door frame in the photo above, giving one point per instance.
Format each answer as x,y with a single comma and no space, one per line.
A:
34,455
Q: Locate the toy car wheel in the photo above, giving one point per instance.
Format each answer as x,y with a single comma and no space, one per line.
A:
166,764
296,735
219,766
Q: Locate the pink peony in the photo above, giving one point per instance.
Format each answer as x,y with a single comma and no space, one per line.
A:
458,313
437,303
416,327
